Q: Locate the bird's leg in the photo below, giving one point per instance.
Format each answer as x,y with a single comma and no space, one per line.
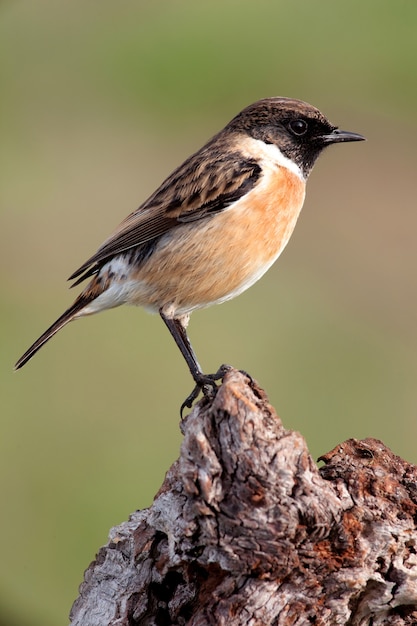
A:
204,382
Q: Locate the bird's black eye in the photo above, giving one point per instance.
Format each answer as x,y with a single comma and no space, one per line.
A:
298,127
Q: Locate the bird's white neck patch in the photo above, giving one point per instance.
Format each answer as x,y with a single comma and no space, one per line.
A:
269,154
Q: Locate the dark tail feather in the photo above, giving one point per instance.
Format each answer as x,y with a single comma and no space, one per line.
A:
62,321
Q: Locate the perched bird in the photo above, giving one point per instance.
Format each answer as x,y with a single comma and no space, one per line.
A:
212,228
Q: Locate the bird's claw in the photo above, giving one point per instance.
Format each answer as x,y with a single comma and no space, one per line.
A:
206,383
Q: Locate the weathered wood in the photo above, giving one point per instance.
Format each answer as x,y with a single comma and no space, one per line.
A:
247,530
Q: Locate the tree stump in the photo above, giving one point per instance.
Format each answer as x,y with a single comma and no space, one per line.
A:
246,530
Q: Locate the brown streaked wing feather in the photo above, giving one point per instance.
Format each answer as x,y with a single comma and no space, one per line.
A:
206,183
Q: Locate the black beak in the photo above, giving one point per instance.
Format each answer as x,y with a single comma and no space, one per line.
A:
337,136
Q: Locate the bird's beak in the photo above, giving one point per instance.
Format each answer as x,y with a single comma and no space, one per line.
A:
337,136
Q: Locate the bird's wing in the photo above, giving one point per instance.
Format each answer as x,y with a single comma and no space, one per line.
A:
206,183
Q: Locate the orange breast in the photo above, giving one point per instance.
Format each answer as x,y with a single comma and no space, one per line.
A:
210,261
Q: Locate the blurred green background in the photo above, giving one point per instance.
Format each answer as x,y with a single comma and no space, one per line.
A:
99,102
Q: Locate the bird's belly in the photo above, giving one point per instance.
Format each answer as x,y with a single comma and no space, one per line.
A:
213,260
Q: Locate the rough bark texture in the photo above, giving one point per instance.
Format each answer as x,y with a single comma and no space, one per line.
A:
247,530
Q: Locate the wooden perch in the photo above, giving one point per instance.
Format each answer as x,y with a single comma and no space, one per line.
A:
247,530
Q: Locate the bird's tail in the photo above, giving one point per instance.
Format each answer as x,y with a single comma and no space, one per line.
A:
81,302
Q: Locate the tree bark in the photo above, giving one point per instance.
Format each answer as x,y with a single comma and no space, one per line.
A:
247,530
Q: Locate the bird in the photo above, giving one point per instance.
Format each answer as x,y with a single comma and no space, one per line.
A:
212,228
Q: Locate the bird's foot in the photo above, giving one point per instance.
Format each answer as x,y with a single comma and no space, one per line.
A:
206,383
